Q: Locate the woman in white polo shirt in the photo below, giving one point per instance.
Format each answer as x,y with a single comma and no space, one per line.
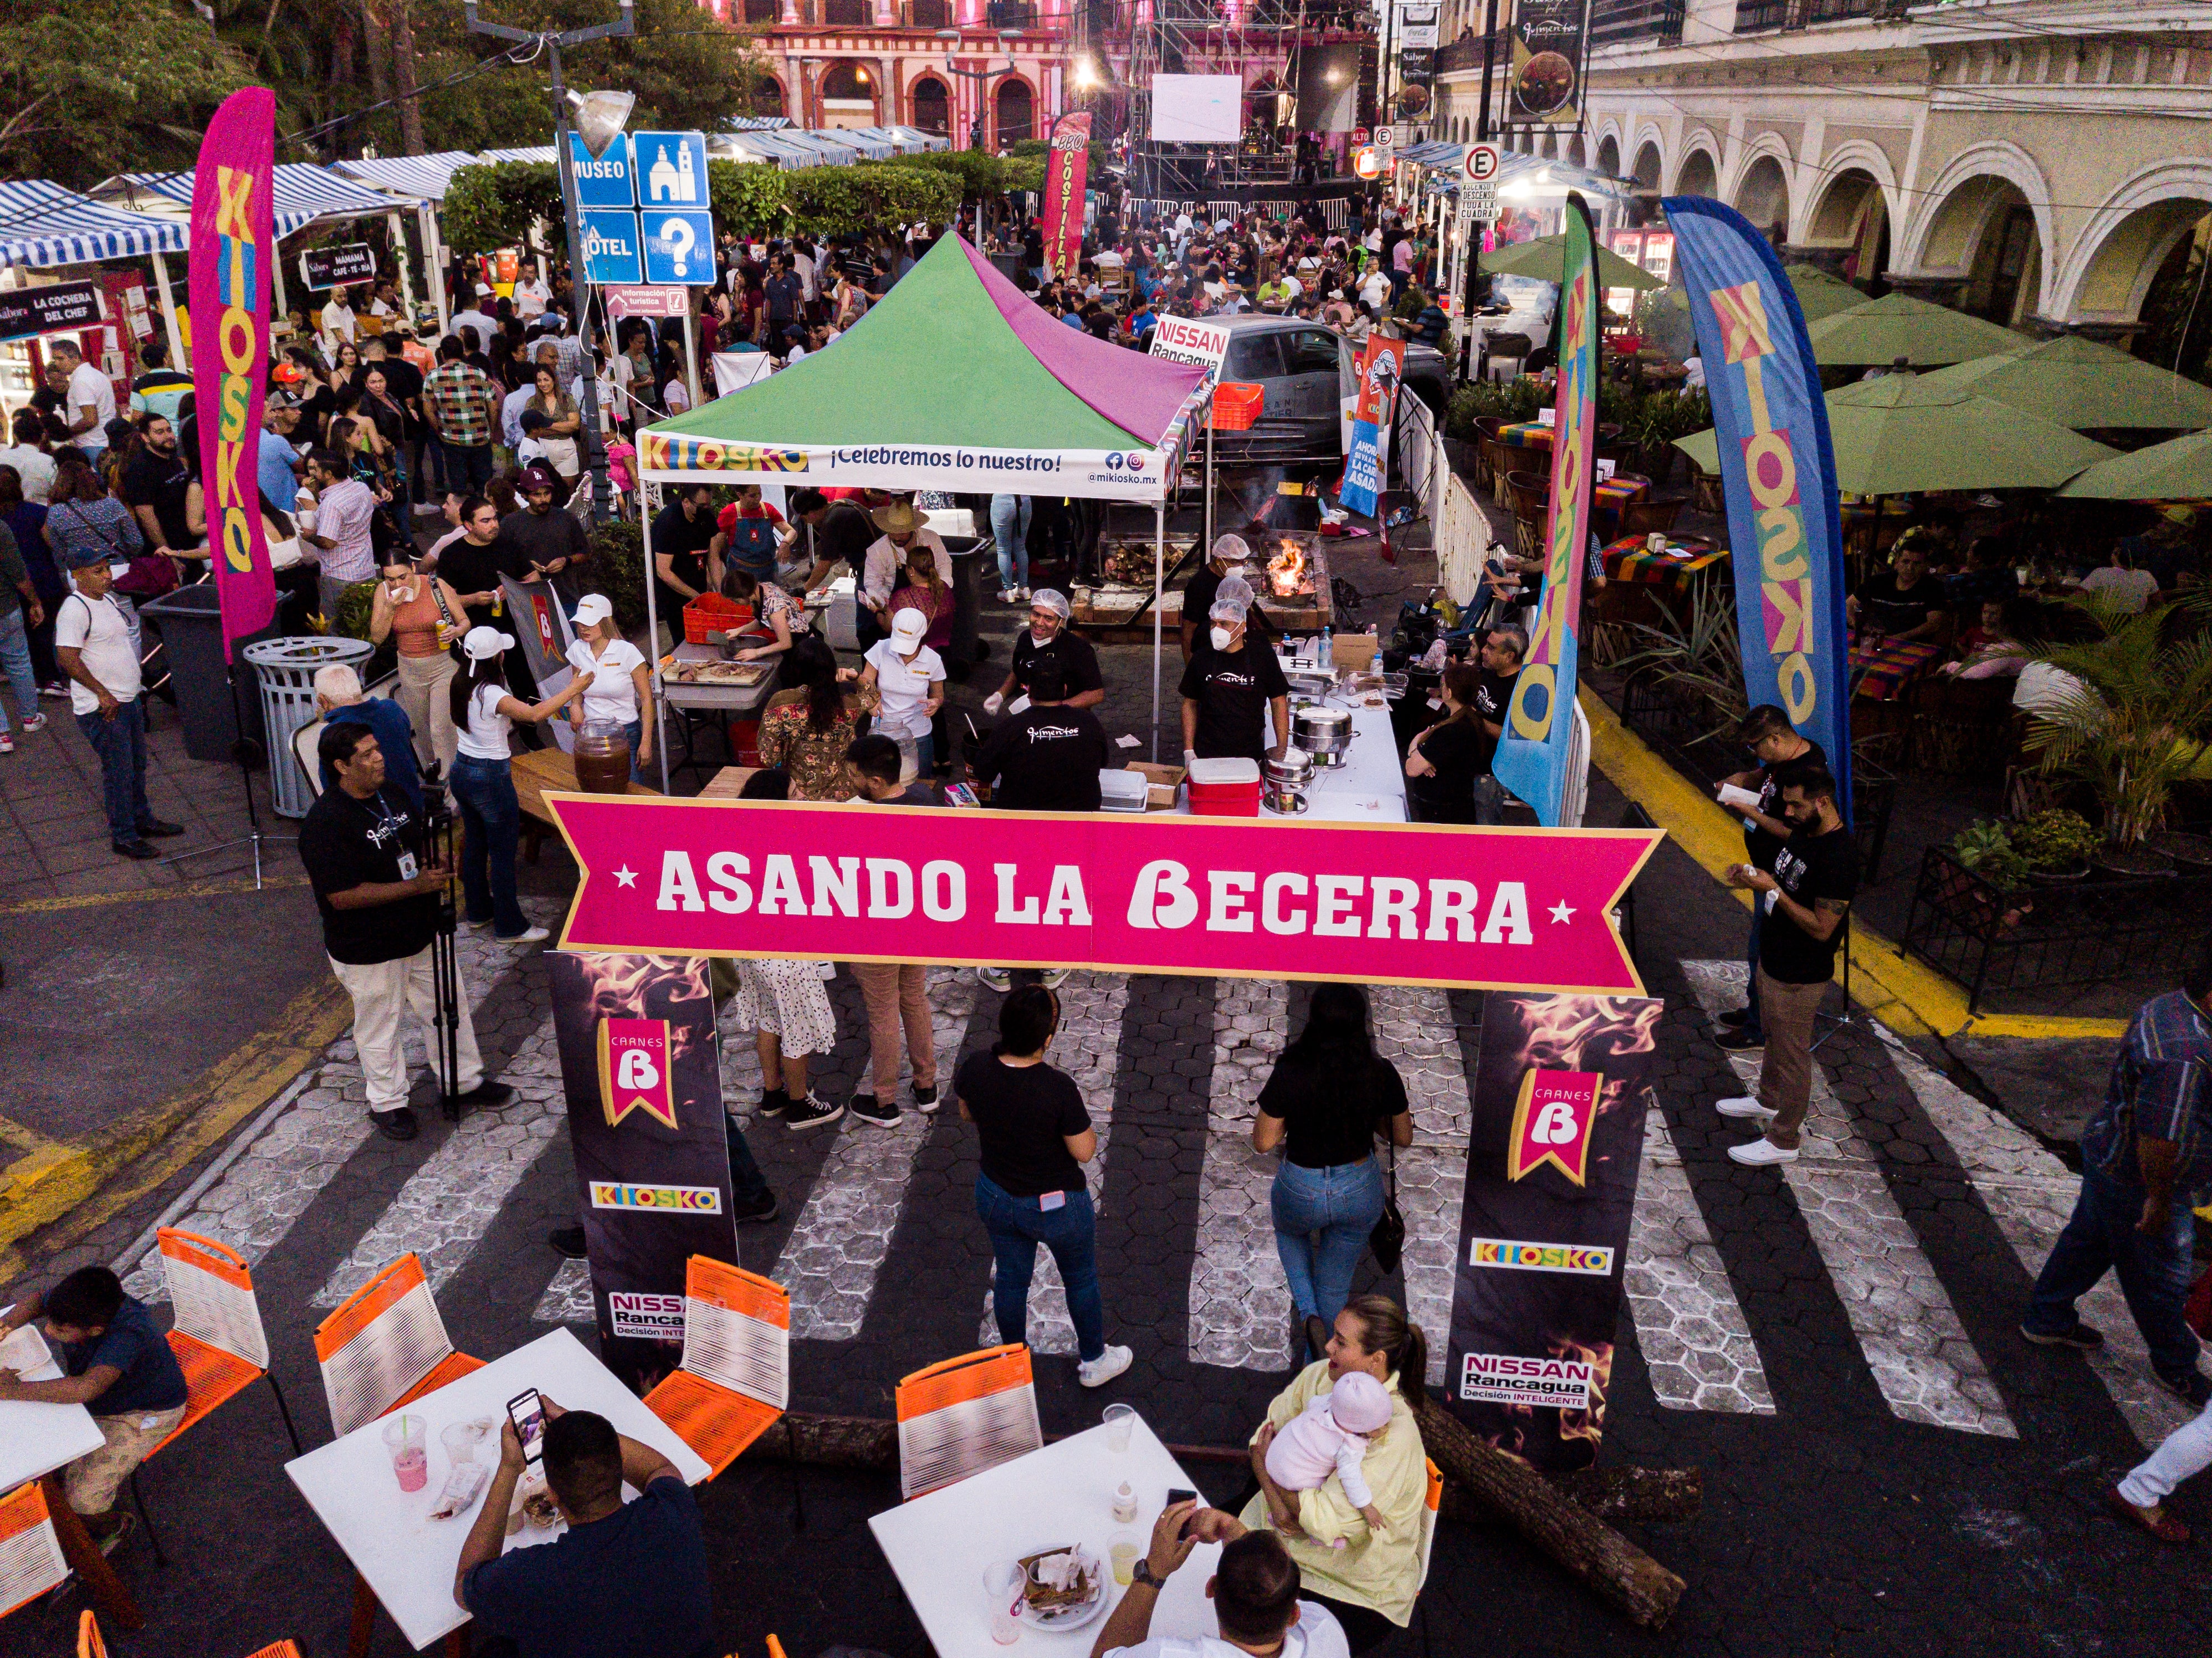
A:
622,685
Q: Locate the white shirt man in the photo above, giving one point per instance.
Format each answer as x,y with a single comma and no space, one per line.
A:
95,626
474,317
35,467
89,391
885,557
531,296
510,413
339,323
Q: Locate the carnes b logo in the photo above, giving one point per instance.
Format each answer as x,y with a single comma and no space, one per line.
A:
634,1071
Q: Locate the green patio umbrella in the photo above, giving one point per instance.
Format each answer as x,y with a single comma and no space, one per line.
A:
1545,258
2179,470
1898,326
1820,294
2083,384
1903,434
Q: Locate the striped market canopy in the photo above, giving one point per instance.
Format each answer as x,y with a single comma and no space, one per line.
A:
536,153
422,178
42,224
755,123
305,194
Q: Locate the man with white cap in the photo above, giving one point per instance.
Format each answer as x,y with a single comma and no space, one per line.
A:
1232,685
902,527
1047,639
909,677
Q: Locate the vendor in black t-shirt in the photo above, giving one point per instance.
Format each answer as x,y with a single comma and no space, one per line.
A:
681,532
1047,639
1232,686
842,532
1036,1137
1448,760
544,539
378,892
1046,758
1228,553
1802,904
1903,601
1775,743
155,484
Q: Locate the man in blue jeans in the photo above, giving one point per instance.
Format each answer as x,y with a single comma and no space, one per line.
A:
19,612
2146,1162
92,643
1775,743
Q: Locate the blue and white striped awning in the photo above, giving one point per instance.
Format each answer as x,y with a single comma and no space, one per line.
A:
755,123
867,140
781,149
42,224
306,194
537,153
913,139
831,146
419,177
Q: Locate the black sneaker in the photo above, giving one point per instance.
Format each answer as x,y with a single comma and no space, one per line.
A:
487,1092
138,849
154,828
396,1124
774,1102
1740,1041
567,1241
811,1112
2080,1336
885,1115
1735,1016
2193,1390
925,1101
766,1210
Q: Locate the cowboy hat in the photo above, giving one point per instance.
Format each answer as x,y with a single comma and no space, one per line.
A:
897,518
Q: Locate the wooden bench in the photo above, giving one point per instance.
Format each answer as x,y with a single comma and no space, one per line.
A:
538,772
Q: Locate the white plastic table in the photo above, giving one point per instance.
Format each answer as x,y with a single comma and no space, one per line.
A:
37,1438
405,1557
940,1544
1370,787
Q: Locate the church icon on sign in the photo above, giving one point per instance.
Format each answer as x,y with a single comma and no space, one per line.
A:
672,181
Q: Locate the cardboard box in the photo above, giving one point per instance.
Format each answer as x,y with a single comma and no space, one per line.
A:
1355,651
1163,781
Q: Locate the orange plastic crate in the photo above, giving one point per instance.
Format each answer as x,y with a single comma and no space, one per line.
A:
711,613
1236,405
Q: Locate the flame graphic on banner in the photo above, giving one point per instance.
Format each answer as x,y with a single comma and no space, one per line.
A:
620,985
1589,1424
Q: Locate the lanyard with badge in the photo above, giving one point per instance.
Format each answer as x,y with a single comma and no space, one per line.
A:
390,822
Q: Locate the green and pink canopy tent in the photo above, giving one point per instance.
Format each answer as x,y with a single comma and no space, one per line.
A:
958,381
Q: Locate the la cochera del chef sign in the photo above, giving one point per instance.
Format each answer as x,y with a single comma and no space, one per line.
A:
1390,903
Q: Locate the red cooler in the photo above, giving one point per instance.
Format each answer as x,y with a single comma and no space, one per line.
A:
1225,788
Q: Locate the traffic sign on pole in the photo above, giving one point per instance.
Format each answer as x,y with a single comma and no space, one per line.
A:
1481,163
602,181
611,246
671,168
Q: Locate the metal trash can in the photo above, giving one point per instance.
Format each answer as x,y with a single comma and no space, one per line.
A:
190,624
287,669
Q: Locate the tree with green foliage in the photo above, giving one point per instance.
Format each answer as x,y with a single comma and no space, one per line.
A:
494,205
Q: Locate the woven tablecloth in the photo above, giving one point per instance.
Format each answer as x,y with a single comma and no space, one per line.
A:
1631,559
1884,667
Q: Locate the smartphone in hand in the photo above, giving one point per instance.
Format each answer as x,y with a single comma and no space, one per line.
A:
528,1415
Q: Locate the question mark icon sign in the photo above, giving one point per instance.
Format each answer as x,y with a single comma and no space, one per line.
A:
676,232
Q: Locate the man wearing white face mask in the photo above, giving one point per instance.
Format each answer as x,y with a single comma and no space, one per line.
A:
1232,686
1048,640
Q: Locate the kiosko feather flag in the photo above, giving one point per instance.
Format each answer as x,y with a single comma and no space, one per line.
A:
234,248
1778,473
1532,752
1063,192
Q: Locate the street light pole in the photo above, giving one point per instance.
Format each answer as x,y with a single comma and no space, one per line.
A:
595,452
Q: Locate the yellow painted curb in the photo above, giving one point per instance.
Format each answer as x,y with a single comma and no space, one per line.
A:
80,1181
1908,996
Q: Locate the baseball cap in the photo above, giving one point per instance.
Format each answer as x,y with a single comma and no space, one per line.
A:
594,609
539,478
484,643
907,630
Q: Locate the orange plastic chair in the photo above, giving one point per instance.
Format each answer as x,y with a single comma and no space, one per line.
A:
735,1380
964,1415
218,1337
1429,1505
89,1644
282,1649
31,1560
386,1347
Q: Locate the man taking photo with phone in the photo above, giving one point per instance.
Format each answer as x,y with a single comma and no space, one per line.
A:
1253,1588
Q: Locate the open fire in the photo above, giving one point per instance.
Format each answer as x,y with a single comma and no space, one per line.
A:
1289,573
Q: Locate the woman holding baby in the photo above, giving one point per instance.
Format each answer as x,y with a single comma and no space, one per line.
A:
1343,1476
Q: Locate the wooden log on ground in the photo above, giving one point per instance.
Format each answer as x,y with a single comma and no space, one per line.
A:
1600,1557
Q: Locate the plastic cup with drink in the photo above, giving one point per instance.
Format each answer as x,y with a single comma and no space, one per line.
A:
404,1437
1002,1592
1121,1549
1120,1422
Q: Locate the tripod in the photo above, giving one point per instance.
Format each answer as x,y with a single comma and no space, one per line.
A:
445,966
254,836
1847,1019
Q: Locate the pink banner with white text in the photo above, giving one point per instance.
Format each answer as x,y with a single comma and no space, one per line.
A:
1229,897
234,252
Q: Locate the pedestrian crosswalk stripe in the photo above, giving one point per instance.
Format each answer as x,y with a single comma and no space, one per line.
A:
1240,1305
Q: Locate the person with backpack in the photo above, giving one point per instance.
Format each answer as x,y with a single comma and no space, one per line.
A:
94,646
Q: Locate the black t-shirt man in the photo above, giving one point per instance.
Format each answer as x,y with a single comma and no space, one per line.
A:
1079,662
1198,597
1233,689
1759,847
161,482
1809,867
1046,758
685,540
1023,1114
347,842
533,538
1894,609
844,533
469,568
1494,698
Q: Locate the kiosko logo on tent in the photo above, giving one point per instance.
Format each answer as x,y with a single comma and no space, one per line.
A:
670,1200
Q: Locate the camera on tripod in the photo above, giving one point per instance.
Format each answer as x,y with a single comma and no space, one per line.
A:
439,848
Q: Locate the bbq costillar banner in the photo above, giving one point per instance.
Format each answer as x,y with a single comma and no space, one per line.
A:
1381,367
1532,751
642,1068
234,250
1544,66
1237,897
1777,473
1063,192
1552,1155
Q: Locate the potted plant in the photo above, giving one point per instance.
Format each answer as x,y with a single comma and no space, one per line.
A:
1694,660
1985,869
2055,845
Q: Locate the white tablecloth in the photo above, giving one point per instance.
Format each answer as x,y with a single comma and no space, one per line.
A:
407,1556
35,1439
939,1545
1370,787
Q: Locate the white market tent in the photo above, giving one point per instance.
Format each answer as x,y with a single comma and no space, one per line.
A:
870,142
42,225
533,152
778,149
425,178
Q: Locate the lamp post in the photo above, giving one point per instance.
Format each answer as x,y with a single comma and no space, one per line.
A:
600,116
951,38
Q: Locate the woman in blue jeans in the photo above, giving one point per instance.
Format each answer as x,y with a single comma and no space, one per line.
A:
1036,1139
484,711
1329,1099
1010,529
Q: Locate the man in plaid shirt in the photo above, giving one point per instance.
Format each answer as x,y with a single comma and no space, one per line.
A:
2145,1162
462,406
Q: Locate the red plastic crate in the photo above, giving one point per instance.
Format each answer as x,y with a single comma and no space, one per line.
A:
1236,405
711,613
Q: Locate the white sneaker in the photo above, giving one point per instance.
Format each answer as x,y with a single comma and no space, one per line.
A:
1055,977
1097,1372
1759,1153
995,978
34,722
1023,594
1743,1106
535,935
1006,595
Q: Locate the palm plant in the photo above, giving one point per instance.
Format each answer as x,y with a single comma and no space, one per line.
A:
1697,656
2140,719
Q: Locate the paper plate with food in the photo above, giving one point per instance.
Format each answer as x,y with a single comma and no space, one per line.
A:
1061,1589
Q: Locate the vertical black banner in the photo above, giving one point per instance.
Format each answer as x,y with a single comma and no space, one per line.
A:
642,1067
1557,1139
1544,71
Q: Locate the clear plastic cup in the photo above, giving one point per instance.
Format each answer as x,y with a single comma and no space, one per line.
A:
1121,1549
404,1437
1120,1422
463,1440
1002,1592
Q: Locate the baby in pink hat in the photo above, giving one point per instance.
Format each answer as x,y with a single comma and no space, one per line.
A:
1330,1436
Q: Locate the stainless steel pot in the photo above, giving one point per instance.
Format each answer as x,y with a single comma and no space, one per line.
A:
1324,733
1283,780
